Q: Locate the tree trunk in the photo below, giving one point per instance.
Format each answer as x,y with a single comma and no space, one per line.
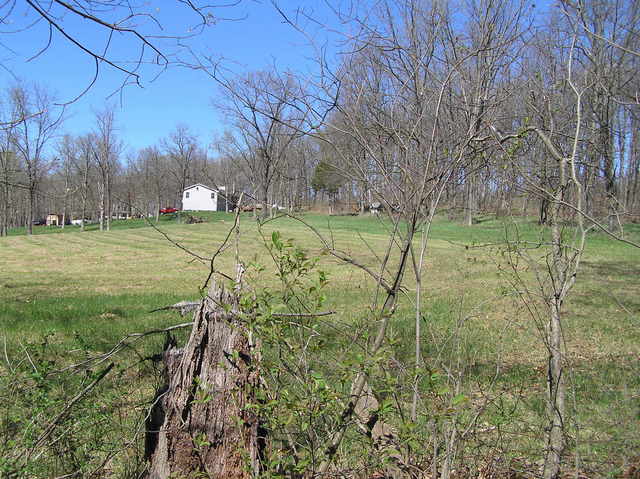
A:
203,427
64,206
556,392
265,201
383,436
4,221
101,214
609,170
158,206
634,166
544,211
108,206
556,388
32,205
84,210
470,200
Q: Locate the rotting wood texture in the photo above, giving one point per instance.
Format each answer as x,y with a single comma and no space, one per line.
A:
201,425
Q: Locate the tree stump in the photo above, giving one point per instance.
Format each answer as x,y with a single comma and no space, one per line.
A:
200,425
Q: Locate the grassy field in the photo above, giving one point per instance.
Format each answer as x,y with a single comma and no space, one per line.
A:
70,295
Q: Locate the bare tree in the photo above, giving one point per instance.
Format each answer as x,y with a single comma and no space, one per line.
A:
83,166
393,102
563,191
68,152
106,152
228,169
494,37
608,44
36,123
8,174
264,108
181,149
153,168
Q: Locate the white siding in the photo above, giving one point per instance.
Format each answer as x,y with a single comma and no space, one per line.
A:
199,198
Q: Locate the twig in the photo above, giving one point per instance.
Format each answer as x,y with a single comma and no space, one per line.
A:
6,356
183,306
29,357
123,342
302,315
52,425
67,476
224,245
341,255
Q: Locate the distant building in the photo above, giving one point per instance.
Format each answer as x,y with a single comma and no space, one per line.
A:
53,220
200,197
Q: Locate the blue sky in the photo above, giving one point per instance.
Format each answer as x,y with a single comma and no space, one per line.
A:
257,39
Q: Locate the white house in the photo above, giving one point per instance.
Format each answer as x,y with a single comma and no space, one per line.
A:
200,197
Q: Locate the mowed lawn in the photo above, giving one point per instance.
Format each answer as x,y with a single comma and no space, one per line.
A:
105,283
85,290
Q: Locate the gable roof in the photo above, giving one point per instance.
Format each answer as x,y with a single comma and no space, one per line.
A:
200,184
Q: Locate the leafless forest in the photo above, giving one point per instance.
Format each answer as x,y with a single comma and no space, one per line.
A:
483,96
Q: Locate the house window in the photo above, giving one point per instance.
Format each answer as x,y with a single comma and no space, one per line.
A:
213,196
186,195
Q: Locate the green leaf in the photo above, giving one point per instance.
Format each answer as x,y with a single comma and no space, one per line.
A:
460,398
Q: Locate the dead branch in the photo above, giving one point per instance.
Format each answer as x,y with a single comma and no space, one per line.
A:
52,425
123,343
183,307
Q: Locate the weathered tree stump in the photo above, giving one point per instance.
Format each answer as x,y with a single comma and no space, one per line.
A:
200,425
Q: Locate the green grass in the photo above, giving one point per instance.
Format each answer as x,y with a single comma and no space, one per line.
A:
116,225
70,295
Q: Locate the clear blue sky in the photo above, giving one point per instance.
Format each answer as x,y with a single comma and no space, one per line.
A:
255,40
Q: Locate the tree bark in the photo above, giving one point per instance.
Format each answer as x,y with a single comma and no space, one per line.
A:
158,206
470,199
556,392
108,197
205,425
66,199
84,210
32,207
556,387
264,196
4,221
101,213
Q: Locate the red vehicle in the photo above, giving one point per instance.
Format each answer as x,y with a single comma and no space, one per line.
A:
168,210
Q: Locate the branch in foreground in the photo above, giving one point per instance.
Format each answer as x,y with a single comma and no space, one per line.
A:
123,343
52,425
183,307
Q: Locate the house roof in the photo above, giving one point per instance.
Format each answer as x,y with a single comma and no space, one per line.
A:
200,184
